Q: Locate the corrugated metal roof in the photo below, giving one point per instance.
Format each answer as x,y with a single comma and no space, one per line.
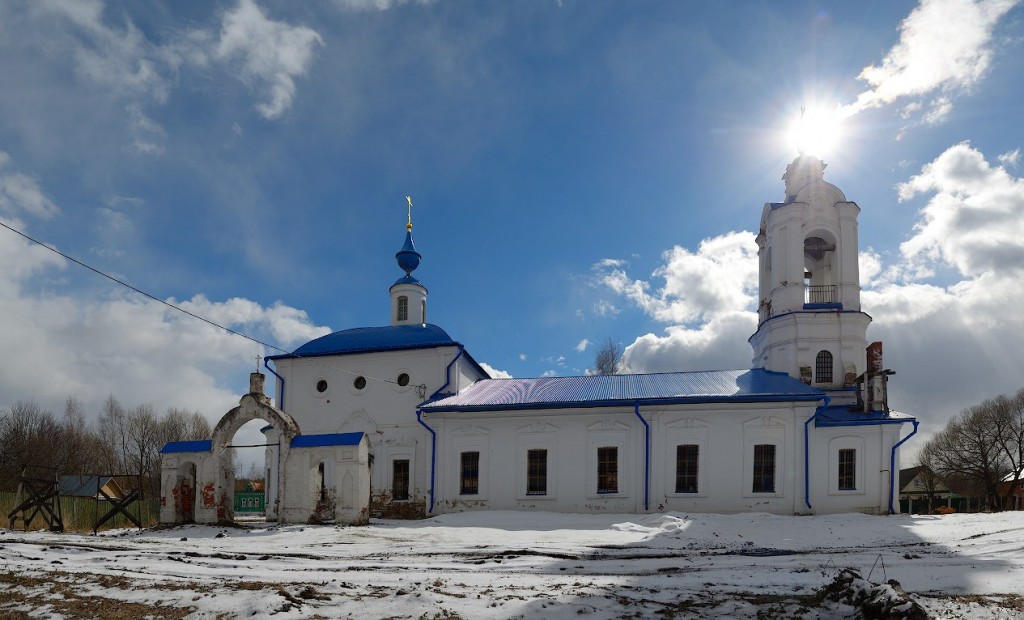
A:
328,439
203,445
609,390
840,415
372,339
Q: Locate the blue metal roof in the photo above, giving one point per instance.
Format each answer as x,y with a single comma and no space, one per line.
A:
203,445
616,390
840,415
373,339
328,439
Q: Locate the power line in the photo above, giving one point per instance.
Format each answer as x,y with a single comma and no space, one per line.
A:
179,308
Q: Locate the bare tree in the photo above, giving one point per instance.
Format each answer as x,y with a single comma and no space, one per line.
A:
608,359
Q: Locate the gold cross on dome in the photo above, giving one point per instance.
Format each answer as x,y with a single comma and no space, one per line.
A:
408,225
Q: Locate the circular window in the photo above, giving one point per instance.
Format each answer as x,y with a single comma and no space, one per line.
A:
321,386
403,379
359,383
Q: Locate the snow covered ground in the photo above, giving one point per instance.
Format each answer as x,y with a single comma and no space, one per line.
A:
519,564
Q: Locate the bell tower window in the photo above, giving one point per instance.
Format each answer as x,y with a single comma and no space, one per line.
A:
823,367
403,308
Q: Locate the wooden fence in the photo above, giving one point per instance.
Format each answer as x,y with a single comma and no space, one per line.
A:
80,513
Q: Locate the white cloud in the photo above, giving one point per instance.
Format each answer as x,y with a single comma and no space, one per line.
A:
494,372
582,345
22,194
378,5
272,54
149,135
945,46
718,344
522,357
138,349
1011,158
721,276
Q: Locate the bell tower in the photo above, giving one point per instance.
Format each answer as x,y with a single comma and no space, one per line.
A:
810,323
408,295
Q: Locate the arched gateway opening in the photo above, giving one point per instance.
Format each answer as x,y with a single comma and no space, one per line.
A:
253,406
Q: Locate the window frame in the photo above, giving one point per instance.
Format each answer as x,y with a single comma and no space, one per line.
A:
695,475
608,471
760,468
536,472
465,489
402,309
395,479
824,367
835,447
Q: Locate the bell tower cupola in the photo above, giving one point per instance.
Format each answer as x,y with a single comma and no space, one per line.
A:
810,323
408,295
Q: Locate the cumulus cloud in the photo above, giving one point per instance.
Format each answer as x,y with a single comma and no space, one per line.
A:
1011,158
707,296
377,5
494,372
139,349
945,46
267,55
21,194
272,54
582,345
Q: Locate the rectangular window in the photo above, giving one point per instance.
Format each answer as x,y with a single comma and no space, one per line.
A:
470,477
537,472
400,480
687,457
403,308
608,469
764,468
848,469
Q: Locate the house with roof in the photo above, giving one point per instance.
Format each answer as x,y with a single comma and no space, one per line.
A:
806,429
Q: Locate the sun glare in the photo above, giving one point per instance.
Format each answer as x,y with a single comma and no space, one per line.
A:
817,131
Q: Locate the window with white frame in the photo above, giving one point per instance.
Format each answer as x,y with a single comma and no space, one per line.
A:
687,468
400,479
608,469
469,473
846,466
537,471
764,468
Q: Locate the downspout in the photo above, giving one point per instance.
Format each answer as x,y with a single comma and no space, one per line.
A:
647,456
433,435
892,468
266,362
447,373
807,452
433,455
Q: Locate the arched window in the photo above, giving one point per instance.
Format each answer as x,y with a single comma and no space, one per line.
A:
823,367
403,308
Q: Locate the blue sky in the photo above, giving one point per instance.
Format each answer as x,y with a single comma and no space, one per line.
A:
581,170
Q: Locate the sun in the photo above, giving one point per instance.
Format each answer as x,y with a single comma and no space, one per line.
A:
817,131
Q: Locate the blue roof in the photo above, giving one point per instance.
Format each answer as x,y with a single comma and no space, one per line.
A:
612,390
840,415
203,445
328,439
373,339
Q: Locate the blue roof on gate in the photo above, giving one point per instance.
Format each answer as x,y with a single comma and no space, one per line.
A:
373,339
328,439
841,415
203,445
612,390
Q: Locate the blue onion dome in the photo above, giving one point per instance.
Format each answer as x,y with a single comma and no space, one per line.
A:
408,258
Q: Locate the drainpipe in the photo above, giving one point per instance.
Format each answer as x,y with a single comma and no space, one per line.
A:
647,456
266,362
892,468
433,455
448,373
807,452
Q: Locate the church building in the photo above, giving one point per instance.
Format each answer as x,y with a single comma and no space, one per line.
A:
401,421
